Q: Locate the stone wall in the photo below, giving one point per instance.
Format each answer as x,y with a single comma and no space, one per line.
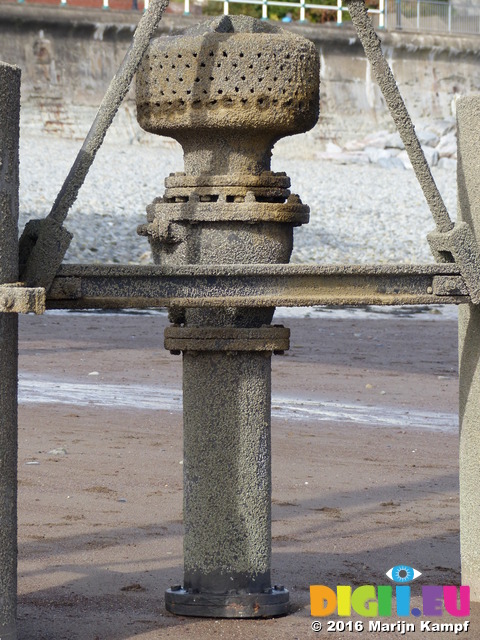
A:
68,55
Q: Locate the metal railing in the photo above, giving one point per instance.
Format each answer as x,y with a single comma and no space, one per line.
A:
410,15
433,16
303,6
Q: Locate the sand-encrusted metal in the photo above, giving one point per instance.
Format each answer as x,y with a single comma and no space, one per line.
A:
227,91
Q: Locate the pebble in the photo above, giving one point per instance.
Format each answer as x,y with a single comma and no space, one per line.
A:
366,205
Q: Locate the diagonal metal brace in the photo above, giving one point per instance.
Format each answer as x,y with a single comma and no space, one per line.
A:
44,243
449,242
16,298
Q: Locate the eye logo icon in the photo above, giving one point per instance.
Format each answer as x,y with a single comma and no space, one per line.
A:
401,574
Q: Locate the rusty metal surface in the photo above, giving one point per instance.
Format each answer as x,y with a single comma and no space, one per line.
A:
273,602
100,286
271,338
269,179
15,298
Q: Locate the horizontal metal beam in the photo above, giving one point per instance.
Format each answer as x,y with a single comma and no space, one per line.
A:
16,298
110,287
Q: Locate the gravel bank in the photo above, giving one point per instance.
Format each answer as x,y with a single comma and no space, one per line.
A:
360,213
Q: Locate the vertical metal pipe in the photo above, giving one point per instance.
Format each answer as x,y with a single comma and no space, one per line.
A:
227,483
265,10
226,389
468,180
302,11
9,136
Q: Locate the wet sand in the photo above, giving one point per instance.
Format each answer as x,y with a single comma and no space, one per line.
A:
100,508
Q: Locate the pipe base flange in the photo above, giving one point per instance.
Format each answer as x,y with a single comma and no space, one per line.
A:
268,604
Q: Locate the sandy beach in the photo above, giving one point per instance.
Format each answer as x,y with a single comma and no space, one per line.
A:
100,475
364,417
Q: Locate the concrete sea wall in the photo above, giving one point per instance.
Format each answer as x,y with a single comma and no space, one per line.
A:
68,55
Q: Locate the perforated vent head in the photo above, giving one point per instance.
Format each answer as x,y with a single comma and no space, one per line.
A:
233,73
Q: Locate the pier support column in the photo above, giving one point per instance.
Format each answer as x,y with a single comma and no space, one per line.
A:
9,136
227,471
468,176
